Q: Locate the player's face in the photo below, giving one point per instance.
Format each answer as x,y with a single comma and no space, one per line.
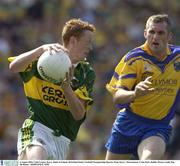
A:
83,45
157,36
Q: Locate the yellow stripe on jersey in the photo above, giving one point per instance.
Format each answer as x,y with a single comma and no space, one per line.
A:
10,59
83,94
49,93
124,77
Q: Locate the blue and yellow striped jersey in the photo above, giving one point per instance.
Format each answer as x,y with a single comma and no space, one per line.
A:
139,64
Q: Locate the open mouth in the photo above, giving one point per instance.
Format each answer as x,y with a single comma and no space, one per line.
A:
155,43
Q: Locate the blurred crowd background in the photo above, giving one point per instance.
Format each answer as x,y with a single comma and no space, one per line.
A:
26,24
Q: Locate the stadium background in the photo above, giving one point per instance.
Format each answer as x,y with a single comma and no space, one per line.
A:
26,24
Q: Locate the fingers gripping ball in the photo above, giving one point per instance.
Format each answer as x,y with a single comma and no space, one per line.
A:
53,67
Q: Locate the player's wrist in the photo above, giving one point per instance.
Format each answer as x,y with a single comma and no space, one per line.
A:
133,96
40,50
66,86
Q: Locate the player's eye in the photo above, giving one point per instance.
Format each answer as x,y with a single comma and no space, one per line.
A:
152,32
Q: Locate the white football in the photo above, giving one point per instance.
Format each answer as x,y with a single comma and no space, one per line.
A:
53,67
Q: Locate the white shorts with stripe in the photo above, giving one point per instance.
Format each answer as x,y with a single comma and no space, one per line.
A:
57,148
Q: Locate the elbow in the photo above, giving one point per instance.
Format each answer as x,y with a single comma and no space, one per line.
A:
13,68
119,100
116,101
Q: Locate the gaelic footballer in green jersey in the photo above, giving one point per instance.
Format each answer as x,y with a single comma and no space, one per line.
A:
46,101
56,111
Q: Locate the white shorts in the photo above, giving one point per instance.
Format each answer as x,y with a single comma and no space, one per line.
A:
57,148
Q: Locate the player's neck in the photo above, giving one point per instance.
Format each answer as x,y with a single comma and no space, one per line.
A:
160,56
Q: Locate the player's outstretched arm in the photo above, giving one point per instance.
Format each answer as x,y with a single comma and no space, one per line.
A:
21,62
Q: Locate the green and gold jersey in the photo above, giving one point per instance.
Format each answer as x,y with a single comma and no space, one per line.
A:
46,101
137,65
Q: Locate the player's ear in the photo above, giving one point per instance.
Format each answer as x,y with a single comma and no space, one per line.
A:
145,34
73,40
170,37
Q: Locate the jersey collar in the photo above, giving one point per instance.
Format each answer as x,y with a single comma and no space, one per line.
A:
146,49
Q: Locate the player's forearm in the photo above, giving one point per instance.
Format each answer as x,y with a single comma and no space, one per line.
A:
23,60
76,106
123,96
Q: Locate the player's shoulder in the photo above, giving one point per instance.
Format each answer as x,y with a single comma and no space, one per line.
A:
84,63
85,66
175,49
134,53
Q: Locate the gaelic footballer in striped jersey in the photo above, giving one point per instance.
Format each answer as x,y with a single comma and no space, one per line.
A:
145,88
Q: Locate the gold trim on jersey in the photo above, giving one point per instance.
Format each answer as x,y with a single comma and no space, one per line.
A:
51,94
10,59
146,48
83,94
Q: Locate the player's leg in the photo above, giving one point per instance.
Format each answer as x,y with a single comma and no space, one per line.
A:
113,156
174,143
120,147
33,152
123,141
22,156
35,142
151,148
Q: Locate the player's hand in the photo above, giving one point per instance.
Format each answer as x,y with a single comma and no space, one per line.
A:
144,87
69,75
54,47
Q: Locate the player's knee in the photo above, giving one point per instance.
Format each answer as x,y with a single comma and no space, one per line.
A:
152,148
36,153
151,155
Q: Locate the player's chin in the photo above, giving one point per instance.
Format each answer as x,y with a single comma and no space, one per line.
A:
156,49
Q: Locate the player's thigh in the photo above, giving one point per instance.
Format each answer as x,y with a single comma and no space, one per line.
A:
151,148
113,156
36,152
28,153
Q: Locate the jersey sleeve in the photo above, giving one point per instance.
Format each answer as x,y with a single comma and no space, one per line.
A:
125,76
29,71
83,94
85,91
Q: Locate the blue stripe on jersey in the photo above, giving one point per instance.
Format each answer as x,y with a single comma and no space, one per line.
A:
128,76
116,75
139,59
174,48
138,52
125,76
